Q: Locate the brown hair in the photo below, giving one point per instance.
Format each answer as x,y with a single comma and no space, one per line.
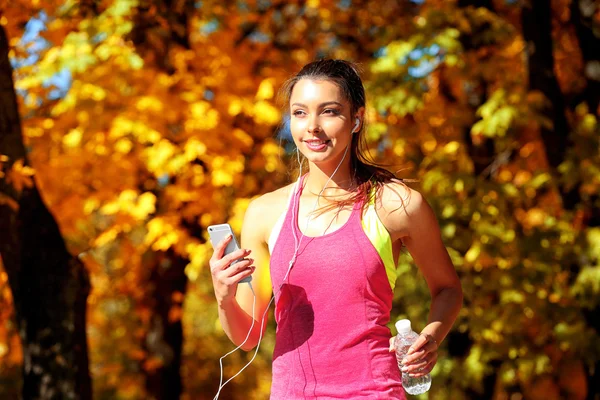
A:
370,176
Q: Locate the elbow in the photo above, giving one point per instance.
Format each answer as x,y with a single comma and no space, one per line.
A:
458,294
251,343
248,346
459,297
452,294
457,290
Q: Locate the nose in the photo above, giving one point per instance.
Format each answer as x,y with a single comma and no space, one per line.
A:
313,125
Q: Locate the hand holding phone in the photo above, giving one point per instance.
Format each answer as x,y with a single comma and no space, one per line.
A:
219,232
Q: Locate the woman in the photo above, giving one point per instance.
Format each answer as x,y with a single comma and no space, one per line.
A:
326,246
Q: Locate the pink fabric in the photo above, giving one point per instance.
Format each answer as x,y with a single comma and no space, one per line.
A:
331,340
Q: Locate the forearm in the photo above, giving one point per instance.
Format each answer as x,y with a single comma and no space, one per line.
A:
445,306
236,323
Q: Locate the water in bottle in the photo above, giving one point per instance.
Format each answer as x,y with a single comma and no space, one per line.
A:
405,338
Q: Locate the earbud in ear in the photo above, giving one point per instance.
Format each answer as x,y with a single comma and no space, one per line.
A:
356,125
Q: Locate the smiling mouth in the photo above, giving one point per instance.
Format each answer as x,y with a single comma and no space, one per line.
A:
316,144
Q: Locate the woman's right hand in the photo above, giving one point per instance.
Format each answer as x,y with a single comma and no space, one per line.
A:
225,275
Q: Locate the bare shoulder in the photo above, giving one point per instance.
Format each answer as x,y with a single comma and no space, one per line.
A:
263,211
400,208
402,198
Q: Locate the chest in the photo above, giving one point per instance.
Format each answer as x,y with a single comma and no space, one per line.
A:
321,219
342,261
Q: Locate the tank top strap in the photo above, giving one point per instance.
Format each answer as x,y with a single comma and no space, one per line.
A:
299,187
295,203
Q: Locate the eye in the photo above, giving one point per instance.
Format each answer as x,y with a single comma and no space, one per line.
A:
331,111
298,113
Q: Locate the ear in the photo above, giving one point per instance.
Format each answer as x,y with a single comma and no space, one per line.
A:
356,125
358,119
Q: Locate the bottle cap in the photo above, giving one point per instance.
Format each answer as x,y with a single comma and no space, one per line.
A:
403,326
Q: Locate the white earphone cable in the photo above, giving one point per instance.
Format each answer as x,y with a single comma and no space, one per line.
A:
297,244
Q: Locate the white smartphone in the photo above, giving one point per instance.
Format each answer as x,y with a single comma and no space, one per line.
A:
220,232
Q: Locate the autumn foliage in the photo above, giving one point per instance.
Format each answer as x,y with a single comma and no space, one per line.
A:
146,121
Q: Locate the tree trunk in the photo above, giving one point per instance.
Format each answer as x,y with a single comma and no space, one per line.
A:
582,17
164,339
482,153
476,3
537,32
49,286
157,29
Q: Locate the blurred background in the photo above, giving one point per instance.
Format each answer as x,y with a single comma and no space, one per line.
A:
129,126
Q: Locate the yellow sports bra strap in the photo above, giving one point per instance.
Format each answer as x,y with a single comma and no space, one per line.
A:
381,240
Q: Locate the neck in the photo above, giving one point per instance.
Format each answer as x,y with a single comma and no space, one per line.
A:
326,174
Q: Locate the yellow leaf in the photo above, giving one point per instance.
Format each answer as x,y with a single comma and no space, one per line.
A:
535,217
146,205
73,138
239,208
158,155
110,208
149,103
20,175
194,149
90,205
92,91
166,241
161,234
123,146
266,113
243,137
451,147
235,107
135,61
106,237
203,116
120,127
224,170
265,90
429,145
155,228
198,255
473,252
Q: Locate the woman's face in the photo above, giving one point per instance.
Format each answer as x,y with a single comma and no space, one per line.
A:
320,120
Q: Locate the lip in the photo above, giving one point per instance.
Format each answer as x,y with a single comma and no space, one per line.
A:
316,144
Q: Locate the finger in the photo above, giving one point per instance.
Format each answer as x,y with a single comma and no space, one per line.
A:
425,370
420,342
420,365
238,267
219,249
392,342
235,279
233,256
429,347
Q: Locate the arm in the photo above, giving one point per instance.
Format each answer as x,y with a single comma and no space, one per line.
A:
431,257
235,301
423,241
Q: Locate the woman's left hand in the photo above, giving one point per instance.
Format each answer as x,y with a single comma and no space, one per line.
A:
421,356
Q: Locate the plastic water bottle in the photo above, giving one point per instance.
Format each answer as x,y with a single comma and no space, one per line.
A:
405,338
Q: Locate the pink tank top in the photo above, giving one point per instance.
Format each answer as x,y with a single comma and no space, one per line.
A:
331,339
